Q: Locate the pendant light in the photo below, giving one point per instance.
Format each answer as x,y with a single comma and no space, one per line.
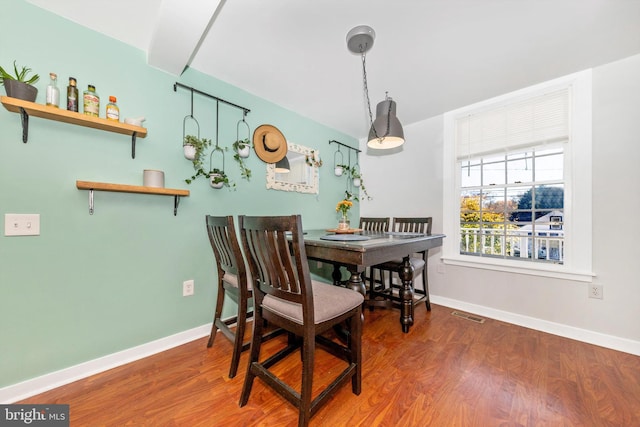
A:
386,131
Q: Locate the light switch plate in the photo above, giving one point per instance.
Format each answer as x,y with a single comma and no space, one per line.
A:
21,224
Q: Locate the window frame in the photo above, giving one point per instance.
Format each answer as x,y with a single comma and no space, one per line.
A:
577,263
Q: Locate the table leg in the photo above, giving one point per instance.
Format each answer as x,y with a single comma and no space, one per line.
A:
406,295
355,281
336,275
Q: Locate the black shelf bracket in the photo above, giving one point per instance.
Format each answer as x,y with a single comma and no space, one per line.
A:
24,118
176,202
133,144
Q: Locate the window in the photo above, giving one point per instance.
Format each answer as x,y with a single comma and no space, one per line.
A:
517,177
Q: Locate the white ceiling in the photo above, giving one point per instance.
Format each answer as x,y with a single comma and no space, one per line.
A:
431,55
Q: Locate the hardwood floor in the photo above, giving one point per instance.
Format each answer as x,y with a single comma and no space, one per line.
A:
446,371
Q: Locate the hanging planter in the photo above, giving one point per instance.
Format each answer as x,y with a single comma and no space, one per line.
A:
217,177
242,148
192,146
199,146
356,178
338,166
190,151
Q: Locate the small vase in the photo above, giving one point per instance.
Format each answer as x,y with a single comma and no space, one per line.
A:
343,224
338,171
356,182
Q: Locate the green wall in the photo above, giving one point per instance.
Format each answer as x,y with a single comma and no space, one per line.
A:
92,285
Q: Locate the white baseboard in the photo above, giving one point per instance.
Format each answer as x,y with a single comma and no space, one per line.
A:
584,335
25,389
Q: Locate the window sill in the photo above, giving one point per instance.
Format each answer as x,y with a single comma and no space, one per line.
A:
524,267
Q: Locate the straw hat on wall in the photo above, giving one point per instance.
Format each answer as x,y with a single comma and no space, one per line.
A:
269,143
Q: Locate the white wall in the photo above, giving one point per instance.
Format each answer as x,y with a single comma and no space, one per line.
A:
553,305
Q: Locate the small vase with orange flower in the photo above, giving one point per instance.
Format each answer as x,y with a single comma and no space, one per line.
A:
342,208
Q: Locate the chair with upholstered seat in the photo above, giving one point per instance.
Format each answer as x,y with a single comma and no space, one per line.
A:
232,281
418,261
285,295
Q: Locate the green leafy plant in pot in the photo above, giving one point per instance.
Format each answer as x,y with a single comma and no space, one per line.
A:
242,149
218,179
353,174
20,85
199,145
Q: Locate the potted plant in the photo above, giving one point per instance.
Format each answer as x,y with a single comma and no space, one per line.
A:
196,147
242,149
353,173
217,178
342,208
20,85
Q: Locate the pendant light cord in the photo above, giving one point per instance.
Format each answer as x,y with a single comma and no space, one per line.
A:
366,92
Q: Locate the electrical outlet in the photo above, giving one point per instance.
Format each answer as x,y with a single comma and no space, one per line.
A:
187,288
595,291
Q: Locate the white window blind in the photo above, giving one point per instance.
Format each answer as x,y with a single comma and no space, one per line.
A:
535,121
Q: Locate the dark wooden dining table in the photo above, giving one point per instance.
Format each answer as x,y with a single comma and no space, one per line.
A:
374,248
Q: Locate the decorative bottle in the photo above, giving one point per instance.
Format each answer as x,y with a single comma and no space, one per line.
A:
53,93
113,112
72,95
91,102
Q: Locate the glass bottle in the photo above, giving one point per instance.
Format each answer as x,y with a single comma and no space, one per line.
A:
72,95
113,112
91,102
53,93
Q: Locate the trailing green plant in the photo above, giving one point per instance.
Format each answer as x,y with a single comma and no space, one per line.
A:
245,172
352,173
200,144
220,178
21,76
311,160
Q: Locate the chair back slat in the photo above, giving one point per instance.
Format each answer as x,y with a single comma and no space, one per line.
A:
413,225
374,224
278,262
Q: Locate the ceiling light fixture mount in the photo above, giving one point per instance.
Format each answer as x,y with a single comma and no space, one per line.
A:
386,131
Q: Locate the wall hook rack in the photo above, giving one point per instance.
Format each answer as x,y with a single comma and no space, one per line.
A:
193,90
333,141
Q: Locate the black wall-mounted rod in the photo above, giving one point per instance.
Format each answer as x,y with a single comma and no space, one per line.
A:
344,145
176,85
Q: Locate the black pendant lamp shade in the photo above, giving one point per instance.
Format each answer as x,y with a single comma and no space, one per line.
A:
386,131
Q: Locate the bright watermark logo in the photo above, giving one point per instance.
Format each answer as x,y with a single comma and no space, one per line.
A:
34,415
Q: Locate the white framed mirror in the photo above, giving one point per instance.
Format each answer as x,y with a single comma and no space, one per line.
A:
301,177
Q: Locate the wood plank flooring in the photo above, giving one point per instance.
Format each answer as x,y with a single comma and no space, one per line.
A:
446,371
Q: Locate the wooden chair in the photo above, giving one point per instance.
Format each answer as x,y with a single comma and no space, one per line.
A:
285,295
418,262
377,224
233,281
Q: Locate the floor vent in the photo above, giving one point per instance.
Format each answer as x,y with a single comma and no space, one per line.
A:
468,316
